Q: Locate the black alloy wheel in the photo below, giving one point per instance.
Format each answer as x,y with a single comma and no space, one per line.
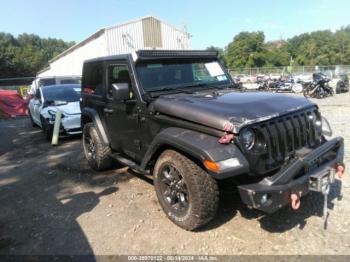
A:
90,147
174,190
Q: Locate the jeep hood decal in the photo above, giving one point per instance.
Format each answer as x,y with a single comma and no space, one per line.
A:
238,108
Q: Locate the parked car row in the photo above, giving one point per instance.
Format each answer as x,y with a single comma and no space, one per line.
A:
315,85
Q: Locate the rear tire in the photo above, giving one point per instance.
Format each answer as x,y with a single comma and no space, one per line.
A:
188,195
97,154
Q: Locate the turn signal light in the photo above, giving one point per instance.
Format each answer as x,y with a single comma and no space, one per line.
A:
212,166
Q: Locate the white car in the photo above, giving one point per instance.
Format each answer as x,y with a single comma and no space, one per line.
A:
48,100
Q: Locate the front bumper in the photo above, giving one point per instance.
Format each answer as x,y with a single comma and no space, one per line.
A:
274,192
70,125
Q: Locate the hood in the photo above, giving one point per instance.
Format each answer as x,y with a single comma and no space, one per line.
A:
238,108
71,108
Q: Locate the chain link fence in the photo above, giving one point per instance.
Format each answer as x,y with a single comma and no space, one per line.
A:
332,71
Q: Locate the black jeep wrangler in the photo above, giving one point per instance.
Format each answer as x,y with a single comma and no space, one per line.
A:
177,115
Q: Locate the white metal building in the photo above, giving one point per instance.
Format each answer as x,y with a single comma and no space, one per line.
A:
144,33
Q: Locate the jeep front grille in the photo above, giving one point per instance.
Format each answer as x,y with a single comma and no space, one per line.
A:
286,134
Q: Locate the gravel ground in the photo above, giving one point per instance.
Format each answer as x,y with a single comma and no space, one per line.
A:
51,202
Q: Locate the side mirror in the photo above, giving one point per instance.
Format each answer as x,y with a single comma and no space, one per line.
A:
120,91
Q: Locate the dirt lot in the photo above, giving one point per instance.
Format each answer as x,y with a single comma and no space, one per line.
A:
51,202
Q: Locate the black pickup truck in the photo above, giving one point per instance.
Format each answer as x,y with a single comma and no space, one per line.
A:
177,115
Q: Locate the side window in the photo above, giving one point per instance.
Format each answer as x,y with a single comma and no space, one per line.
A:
93,79
118,74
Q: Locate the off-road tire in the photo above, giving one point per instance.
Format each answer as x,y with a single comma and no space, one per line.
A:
203,199
102,159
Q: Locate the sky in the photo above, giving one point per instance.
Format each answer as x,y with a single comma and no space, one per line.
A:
211,23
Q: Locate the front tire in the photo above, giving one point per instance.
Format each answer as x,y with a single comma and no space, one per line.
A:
47,128
96,153
188,195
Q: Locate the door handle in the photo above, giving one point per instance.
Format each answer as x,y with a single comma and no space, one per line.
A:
108,110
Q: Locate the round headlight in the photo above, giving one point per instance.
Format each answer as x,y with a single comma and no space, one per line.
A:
326,127
248,139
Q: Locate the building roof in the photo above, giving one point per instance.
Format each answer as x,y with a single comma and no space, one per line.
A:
100,32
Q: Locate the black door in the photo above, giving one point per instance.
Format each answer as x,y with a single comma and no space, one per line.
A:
92,87
122,117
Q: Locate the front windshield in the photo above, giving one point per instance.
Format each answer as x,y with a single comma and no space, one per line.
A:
69,93
158,76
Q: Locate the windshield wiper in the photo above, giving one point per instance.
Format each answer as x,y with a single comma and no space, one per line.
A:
156,92
212,86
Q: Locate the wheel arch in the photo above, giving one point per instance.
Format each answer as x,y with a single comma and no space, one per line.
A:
197,147
89,115
167,146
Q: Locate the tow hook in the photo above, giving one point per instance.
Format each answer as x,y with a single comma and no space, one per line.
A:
228,136
295,200
340,171
226,139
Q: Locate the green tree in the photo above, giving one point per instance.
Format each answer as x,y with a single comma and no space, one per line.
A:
26,54
246,50
276,54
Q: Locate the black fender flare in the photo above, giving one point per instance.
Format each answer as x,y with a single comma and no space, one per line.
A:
93,115
200,146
